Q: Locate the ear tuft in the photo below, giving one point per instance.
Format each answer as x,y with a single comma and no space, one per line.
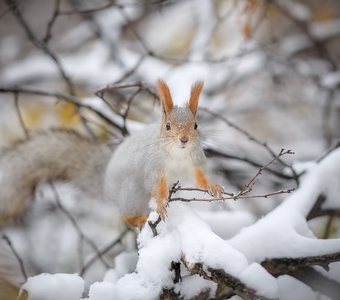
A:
196,90
165,96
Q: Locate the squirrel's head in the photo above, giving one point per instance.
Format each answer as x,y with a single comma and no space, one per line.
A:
179,123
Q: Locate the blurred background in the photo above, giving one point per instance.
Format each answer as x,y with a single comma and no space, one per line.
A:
271,73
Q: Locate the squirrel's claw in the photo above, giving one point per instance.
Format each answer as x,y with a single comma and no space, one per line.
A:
216,190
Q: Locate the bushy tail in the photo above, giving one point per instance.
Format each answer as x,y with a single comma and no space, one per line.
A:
53,155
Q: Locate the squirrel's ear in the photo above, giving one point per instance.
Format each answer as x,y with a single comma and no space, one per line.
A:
165,96
194,96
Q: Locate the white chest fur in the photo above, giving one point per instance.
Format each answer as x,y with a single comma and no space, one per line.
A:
178,165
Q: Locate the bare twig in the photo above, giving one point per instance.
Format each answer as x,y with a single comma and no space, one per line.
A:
40,45
21,120
67,98
239,195
215,152
126,112
277,157
112,3
56,11
153,226
76,226
243,194
122,85
253,139
17,256
328,151
102,252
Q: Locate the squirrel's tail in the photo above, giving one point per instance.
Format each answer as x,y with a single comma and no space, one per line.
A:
52,155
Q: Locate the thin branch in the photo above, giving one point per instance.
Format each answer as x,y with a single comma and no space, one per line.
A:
243,194
122,85
76,226
224,279
328,151
214,152
21,120
277,157
67,98
253,139
130,72
102,252
239,195
113,3
56,11
17,256
318,282
40,45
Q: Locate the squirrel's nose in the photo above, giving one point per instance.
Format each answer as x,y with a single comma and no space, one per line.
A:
184,139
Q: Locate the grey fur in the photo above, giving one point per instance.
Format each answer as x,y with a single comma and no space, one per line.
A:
52,155
129,177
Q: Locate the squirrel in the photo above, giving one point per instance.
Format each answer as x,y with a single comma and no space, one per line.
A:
144,166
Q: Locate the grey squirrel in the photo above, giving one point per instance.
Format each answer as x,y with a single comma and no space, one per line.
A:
144,166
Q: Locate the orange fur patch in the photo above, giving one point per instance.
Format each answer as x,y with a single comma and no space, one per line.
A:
165,95
194,97
201,180
135,221
162,191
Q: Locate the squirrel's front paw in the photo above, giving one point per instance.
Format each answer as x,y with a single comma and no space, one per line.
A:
161,211
216,190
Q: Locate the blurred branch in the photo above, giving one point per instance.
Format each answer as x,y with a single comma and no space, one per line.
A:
323,53
40,44
122,85
301,268
295,176
141,86
17,256
328,151
318,211
103,251
48,34
304,26
67,98
81,234
318,282
113,3
21,120
217,153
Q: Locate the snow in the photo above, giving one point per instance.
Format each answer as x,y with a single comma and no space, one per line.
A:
226,223
296,9
326,29
102,291
209,234
331,80
261,240
288,284
255,276
54,287
194,285
185,235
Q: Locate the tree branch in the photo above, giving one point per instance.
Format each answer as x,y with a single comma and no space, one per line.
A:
223,279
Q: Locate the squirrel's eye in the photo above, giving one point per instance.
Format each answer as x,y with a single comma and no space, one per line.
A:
196,125
168,127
